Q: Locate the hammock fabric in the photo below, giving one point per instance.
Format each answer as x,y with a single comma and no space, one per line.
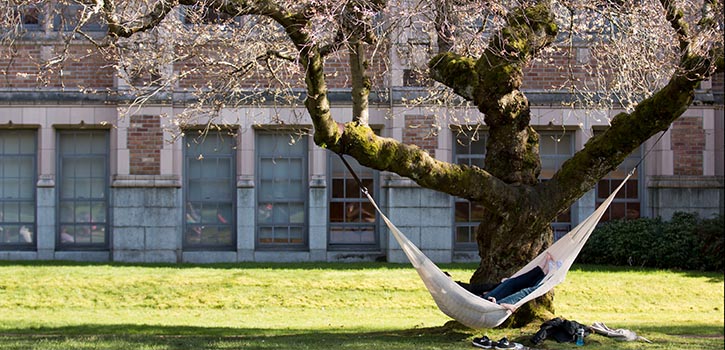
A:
475,311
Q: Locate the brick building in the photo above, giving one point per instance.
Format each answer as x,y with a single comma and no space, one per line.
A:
80,182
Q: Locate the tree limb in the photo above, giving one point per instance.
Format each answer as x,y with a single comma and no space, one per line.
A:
603,153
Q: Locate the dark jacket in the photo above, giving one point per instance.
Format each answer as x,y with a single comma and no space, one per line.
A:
560,330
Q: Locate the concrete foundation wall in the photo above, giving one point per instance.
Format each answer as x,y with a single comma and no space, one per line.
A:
703,195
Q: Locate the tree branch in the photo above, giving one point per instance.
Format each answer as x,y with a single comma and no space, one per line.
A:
141,24
676,18
603,153
410,161
456,72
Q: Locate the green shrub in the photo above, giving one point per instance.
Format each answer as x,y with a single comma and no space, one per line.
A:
684,242
710,239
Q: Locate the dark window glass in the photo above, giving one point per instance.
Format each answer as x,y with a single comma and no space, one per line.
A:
353,220
627,203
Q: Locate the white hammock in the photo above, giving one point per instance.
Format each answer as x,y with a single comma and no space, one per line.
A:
474,311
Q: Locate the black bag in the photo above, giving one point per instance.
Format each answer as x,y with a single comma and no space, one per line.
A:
559,329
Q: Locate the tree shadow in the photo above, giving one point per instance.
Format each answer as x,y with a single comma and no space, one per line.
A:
132,336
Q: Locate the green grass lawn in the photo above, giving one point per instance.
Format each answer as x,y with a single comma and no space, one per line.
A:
323,306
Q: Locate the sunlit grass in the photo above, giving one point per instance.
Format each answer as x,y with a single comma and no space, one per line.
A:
312,306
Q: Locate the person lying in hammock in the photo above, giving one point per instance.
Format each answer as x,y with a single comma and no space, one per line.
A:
511,290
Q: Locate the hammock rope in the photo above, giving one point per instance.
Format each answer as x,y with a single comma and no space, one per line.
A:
473,310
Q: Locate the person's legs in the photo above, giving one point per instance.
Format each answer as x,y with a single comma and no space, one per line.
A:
513,285
476,288
515,297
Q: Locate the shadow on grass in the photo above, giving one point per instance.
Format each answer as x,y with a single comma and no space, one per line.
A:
224,266
712,276
182,338
142,337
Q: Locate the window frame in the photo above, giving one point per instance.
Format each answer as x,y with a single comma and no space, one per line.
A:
361,199
66,246
33,134
559,227
232,219
304,226
65,20
636,157
472,244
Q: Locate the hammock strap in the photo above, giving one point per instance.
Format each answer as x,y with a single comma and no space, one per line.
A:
634,168
363,189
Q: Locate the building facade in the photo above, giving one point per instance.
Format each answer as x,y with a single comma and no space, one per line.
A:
83,179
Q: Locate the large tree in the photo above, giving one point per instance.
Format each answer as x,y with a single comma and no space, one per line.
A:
648,58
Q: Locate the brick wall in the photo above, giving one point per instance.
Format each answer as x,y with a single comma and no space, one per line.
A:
718,82
688,144
25,67
548,72
145,140
337,73
419,131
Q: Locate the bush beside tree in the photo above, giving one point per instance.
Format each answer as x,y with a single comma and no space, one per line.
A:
685,242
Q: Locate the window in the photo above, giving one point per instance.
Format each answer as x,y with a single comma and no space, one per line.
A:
210,192
83,189
205,14
352,216
68,16
627,203
282,191
469,150
17,189
554,149
31,17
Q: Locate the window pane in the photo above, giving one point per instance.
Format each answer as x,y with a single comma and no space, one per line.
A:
296,213
603,189
633,211
27,212
565,145
11,212
10,188
338,188
368,212
337,212
617,210
477,211
98,212
547,145
82,187
462,211
632,188
463,234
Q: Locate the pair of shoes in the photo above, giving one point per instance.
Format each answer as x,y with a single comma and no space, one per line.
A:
504,343
486,343
483,342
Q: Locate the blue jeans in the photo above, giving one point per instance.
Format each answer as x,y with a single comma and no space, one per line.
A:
517,288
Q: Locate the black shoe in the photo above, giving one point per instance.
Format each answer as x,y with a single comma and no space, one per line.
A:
505,344
483,342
